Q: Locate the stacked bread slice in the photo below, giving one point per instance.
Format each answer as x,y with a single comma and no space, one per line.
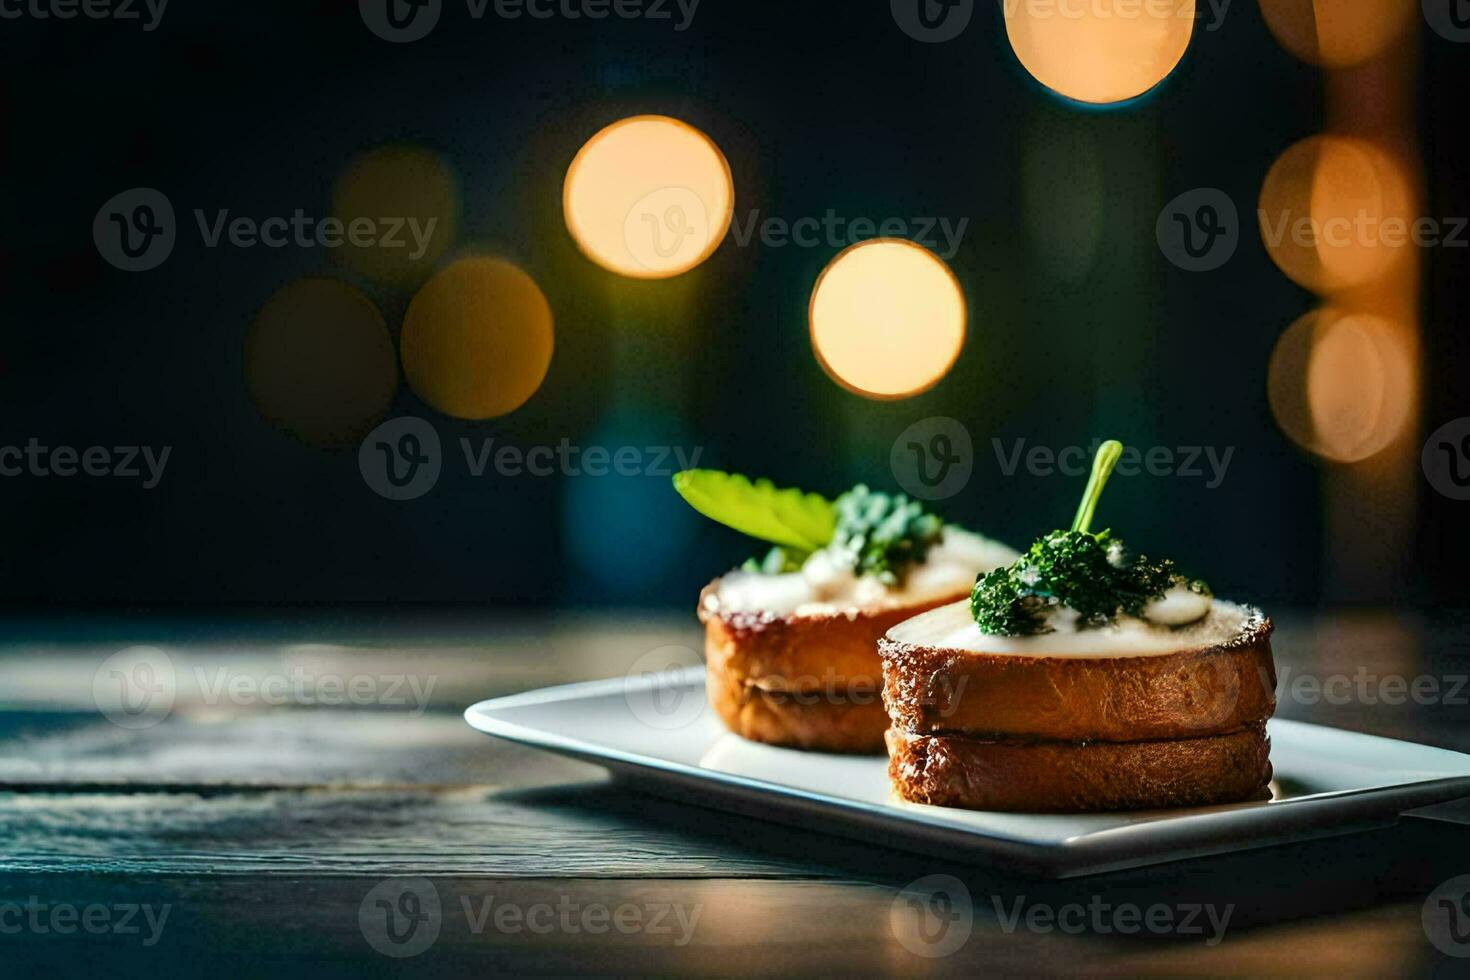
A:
1127,718
807,680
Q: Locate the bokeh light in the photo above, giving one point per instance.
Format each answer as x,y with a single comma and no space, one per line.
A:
649,197
320,364
1340,384
1337,33
1100,51
887,319
477,339
409,199
1334,212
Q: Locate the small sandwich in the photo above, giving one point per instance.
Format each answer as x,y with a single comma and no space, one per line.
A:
791,639
1081,677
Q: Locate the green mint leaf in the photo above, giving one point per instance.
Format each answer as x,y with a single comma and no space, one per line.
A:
802,522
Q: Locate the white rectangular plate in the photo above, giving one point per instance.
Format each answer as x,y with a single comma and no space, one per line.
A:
659,730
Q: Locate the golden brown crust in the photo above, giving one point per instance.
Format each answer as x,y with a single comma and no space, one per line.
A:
1073,777
838,720
811,650
809,681
1194,693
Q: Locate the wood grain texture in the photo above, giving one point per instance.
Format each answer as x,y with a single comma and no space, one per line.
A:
265,827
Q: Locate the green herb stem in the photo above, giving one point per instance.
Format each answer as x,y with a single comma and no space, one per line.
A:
1102,468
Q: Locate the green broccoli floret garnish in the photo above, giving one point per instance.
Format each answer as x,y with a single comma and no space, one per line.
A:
778,561
1091,573
883,535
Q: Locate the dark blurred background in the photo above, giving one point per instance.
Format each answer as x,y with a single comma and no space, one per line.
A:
1080,328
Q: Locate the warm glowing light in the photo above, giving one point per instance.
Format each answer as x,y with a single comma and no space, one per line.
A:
1340,384
887,319
649,197
1099,50
320,364
1334,213
400,209
1337,33
477,339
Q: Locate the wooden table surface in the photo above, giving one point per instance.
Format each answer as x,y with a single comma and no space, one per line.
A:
240,837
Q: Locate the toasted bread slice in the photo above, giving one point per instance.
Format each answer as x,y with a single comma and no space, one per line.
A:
810,681
1076,777
1225,685
850,720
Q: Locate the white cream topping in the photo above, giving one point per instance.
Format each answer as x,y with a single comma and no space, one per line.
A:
1177,607
953,628
826,586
